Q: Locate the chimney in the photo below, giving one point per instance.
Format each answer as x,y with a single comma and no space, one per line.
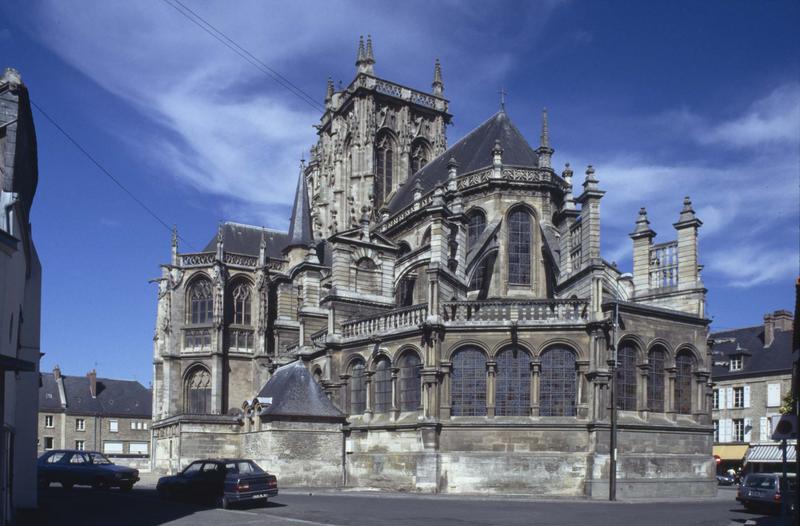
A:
92,376
783,320
57,373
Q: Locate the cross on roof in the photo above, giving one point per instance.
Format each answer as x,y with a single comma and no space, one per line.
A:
503,94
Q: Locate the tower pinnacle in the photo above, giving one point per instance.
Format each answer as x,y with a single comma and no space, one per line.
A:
366,58
544,151
438,85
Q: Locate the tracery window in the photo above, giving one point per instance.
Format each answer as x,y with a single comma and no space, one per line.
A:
557,383
655,379
383,386
241,304
519,247
420,155
358,389
384,170
409,381
476,223
513,383
684,363
626,377
201,302
367,276
198,392
468,383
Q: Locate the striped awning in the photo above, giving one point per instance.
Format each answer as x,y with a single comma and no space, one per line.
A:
770,453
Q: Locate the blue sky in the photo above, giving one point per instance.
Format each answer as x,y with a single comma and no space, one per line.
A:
665,99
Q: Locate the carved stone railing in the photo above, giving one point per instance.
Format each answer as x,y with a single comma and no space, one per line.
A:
319,338
407,211
664,265
199,259
531,312
242,260
397,319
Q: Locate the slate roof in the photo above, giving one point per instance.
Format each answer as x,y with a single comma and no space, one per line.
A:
122,398
19,172
758,360
300,222
472,152
246,239
295,393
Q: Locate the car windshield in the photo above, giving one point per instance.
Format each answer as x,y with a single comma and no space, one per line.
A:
242,466
760,482
192,468
99,458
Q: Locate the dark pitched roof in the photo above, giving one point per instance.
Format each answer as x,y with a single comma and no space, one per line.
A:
472,152
123,398
300,222
758,360
246,239
295,393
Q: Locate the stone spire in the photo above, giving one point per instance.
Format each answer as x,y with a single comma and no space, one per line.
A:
569,200
174,245
300,234
438,85
366,58
544,151
220,240
329,92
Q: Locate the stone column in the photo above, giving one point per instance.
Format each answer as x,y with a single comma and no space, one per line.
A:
536,369
368,411
395,412
491,371
701,394
669,399
644,371
445,403
344,394
581,397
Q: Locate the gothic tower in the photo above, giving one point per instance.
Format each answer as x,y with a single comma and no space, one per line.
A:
373,136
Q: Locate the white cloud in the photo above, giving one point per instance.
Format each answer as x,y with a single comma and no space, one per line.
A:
748,265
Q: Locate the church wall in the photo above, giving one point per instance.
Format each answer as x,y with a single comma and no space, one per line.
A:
240,382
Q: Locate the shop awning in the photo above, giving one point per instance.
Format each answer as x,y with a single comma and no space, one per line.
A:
770,453
732,452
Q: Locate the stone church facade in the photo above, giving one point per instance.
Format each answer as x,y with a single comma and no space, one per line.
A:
453,313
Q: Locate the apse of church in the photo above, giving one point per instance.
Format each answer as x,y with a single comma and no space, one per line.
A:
437,318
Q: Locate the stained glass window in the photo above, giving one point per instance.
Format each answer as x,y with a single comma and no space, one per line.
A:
201,302
358,389
513,383
519,248
384,170
476,223
198,391
383,386
241,304
468,383
655,379
557,383
409,382
684,363
626,377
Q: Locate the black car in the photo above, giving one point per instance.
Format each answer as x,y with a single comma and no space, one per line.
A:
83,468
726,480
223,481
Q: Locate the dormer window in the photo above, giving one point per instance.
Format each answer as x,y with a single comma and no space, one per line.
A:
736,362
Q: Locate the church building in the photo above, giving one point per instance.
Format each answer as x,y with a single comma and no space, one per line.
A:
439,319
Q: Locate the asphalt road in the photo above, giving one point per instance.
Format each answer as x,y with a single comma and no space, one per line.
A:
142,507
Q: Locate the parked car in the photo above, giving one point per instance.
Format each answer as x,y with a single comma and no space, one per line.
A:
763,490
83,468
726,480
224,482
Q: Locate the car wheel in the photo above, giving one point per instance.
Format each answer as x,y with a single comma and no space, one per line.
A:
99,484
224,503
67,485
126,486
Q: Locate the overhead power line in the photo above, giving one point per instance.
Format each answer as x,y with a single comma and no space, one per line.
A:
228,42
102,168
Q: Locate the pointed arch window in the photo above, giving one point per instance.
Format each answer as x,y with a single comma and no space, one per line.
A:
655,379
557,383
201,302
476,223
468,383
626,377
241,304
513,383
384,170
420,155
198,392
519,247
383,386
358,389
684,365
409,382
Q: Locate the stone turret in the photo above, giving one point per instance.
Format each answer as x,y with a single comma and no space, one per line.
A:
301,238
590,217
438,85
365,59
642,240
686,227
545,152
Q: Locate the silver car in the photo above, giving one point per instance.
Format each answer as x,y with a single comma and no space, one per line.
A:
763,490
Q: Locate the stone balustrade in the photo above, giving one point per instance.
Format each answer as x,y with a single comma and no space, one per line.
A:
528,312
406,317
200,259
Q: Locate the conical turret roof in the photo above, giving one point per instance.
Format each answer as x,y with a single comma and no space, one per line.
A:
300,234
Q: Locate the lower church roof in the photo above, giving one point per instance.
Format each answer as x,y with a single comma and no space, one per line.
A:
295,393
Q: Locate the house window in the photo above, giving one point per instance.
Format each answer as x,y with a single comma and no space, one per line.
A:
137,448
558,383
736,363
626,377
655,379
80,424
716,430
476,223
358,389
48,443
48,421
519,248
144,425
201,302
738,397
513,383
80,445
113,426
114,448
468,383
241,304
383,386
738,429
684,363
198,392
715,399
410,382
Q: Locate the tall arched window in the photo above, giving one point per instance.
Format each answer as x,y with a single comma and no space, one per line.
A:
519,247
513,383
241,304
476,223
201,302
384,170
468,383
367,276
655,379
420,155
557,383
383,386
409,381
626,376
404,294
426,237
358,389
198,391
684,363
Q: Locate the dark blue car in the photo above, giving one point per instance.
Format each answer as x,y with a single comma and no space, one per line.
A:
222,481
83,468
